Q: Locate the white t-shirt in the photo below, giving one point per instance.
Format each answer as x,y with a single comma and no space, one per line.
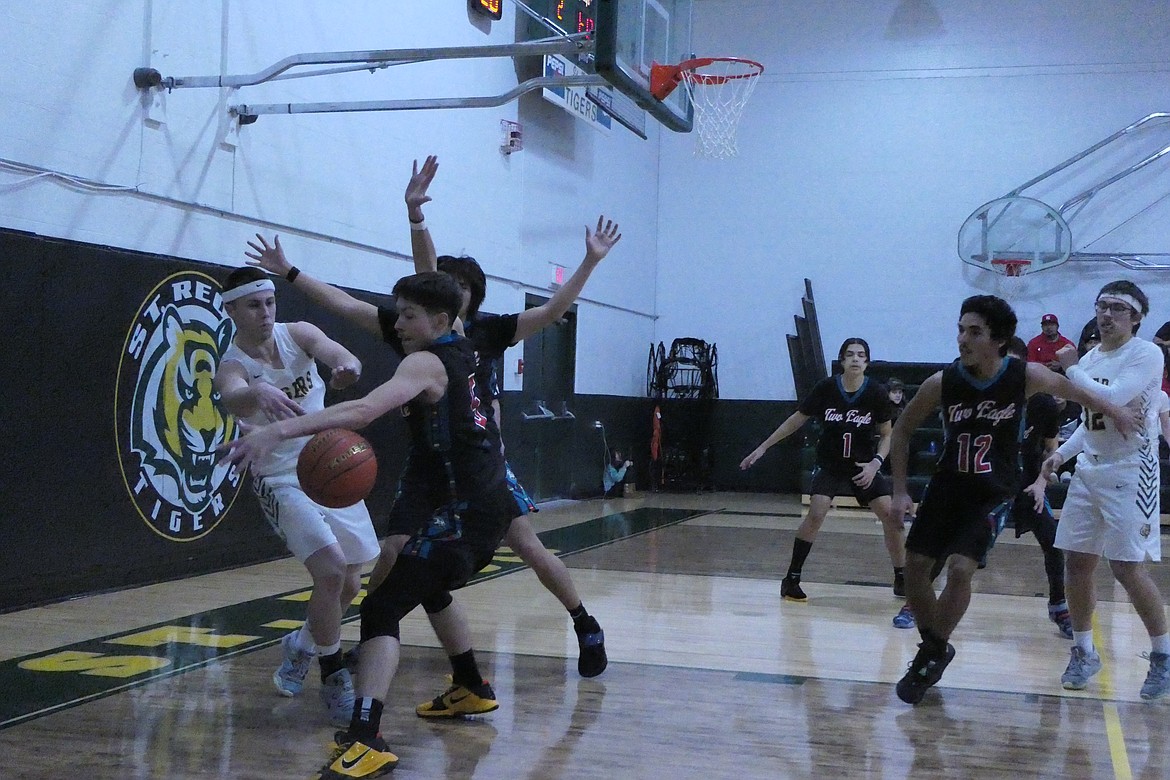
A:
299,380
1130,373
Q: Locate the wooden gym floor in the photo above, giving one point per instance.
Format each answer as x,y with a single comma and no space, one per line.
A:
710,675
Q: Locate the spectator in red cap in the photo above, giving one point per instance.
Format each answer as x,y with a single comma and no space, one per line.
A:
1042,349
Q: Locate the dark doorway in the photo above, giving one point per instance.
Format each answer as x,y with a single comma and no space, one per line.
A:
548,400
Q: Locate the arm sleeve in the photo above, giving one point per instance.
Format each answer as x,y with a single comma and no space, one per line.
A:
1135,378
1075,444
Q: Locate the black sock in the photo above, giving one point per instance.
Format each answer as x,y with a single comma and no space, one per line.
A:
898,571
800,551
331,664
464,670
1054,568
578,614
932,642
366,720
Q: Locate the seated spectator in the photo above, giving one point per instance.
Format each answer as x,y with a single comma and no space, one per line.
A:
1042,349
1162,337
896,391
1090,337
613,479
1164,426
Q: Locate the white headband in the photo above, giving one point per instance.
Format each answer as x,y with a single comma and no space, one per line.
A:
247,289
1128,300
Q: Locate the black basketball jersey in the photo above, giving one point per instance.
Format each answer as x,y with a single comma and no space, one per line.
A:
982,422
848,421
1041,422
490,335
453,449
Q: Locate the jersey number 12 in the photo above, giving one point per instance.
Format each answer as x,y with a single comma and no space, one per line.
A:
974,463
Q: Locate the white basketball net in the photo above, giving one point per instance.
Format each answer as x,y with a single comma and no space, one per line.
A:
1011,284
718,92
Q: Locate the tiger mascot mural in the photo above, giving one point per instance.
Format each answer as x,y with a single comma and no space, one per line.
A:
174,420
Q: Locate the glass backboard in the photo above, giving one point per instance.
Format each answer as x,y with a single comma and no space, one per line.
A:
634,34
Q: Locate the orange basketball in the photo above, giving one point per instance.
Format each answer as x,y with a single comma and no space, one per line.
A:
337,468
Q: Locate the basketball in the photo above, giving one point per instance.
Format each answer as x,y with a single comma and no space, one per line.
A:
337,468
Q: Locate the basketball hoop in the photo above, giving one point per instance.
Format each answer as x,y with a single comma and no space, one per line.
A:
1012,271
718,88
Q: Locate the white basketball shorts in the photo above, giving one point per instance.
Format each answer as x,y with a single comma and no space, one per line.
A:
307,527
1112,510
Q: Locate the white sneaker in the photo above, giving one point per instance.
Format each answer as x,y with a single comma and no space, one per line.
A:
290,677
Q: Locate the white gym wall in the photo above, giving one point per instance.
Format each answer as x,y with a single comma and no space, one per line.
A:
873,134
71,109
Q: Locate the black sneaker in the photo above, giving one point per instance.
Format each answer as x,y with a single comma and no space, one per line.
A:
591,640
899,585
790,590
924,671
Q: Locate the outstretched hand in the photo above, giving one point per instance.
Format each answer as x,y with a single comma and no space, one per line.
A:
1036,492
273,403
598,243
255,443
416,188
751,459
270,258
344,376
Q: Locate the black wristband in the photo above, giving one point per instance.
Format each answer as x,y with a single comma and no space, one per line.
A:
417,221
879,459
292,274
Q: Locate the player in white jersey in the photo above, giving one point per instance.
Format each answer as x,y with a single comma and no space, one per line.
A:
1112,508
269,373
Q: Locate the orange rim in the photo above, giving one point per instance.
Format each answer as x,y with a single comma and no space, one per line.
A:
665,78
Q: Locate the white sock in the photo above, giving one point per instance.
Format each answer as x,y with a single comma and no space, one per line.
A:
1161,643
304,640
1084,640
329,649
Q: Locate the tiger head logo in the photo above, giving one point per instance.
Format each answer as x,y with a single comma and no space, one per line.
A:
173,421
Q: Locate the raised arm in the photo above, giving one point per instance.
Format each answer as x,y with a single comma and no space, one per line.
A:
344,365
422,247
786,429
271,258
597,246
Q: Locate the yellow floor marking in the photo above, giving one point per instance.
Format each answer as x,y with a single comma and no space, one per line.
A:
1117,751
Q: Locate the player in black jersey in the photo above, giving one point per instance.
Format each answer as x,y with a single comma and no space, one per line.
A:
854,416
982,395
492,334
455,490
1030,510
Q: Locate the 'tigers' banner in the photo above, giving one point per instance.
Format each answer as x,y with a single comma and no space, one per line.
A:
169,418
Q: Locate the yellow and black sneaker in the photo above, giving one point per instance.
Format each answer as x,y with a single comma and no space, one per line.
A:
459,702
350,757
